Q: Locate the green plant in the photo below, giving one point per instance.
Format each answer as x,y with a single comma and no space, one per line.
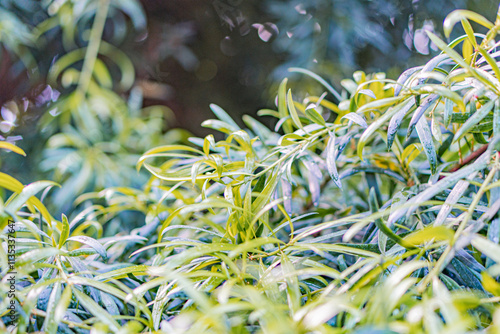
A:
377,213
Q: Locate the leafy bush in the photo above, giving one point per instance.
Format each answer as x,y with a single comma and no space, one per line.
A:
374,208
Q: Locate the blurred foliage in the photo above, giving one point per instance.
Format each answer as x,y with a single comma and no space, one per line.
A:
369,208
213,46
88,136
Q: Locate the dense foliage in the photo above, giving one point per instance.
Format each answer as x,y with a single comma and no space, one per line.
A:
372,208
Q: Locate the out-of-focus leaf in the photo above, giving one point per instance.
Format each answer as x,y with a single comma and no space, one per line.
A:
319,79
11,147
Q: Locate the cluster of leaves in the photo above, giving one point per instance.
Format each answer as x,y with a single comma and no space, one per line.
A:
368,209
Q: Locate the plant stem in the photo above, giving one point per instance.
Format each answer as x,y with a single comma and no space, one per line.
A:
93,46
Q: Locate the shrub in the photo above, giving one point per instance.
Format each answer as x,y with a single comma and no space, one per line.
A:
372,209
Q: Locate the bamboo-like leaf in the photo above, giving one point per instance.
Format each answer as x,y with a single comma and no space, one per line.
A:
441,185
122,272
496,119
293,111
460,14
446,49
374,127
36,255
380,224
317,78
490,284
491,61
314,116
396,120
292,284
379,104
64,232
444,92
371,169
431,65
11,147
431,233
330,160
403,77
419,112
92,243
286,189
466,275
62,304
95,309
487,247
221,126
282,106
425,136
27,195
457,192
50,325
474,119
368,92
223,116
436,130
356,119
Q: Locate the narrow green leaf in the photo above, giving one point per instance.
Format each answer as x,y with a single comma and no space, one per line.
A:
496,119
374,208
396,120
430,233
379,104
403,77
293,111
92,243
440,186
420,111
223,116
50,325
319,79
95,309
376,126
314,115
65,231
62,304
448,111
446,49
460,14
425,137
282,106
356,119
330,160
474,119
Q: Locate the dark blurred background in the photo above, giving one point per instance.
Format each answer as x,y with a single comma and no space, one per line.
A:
232,52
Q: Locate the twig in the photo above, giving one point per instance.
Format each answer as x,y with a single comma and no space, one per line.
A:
473,156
